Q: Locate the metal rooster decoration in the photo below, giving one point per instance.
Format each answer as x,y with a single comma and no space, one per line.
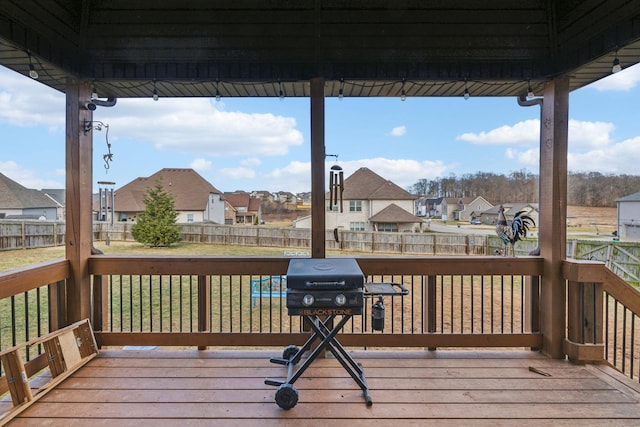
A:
512,231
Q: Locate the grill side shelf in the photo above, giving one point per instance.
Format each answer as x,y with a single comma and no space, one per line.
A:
386,289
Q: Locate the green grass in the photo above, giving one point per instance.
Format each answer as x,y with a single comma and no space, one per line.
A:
23,257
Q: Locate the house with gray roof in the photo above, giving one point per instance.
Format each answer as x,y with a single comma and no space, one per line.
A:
370,203
629,216
19,202
196,200
490,216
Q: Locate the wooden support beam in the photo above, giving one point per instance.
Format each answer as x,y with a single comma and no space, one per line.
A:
79,179
318,210
553,213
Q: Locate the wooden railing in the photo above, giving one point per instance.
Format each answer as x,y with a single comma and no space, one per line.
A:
603,311
207,301
622,325
31,305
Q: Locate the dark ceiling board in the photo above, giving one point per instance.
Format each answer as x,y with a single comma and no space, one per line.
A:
250,44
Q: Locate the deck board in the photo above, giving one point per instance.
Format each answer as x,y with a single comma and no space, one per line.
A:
484,388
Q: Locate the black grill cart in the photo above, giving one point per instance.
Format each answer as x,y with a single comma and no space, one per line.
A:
326,292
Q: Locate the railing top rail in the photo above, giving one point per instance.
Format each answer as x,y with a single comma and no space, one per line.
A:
14,282
204,265
618,288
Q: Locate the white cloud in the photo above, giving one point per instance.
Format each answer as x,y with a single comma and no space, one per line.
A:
200,164
624,80
251,161
293,168
398,131
620,158
197,126
525,132
188,125
528,158
296,176
604,156
403,172
582,134
27,178
589,134
23,103
237,173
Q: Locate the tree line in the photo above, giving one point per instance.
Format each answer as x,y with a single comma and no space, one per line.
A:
583,188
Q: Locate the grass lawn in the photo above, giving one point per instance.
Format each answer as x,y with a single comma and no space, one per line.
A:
23,257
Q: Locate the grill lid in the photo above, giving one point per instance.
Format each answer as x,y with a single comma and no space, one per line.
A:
324,273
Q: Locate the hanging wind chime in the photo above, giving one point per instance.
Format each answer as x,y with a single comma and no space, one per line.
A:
336,184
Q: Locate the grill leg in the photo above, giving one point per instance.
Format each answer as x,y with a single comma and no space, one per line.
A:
342,356
322,330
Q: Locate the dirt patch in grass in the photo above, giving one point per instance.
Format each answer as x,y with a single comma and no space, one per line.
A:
581,216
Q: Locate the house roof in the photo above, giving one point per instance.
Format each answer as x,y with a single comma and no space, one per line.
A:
364,184
190,191
241,199
394,214
237,199
254,204
635,197
365,48
16,196
57,194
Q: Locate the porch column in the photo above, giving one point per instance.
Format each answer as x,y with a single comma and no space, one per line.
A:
318,219
553,213
79,176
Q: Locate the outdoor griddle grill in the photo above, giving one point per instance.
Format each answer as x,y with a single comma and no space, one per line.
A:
319,290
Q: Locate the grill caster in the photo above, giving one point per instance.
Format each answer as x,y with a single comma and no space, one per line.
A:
286,396
289,351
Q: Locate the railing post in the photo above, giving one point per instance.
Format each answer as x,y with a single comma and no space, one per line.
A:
532,304
430,306
99,317
57,307
584,341
204,306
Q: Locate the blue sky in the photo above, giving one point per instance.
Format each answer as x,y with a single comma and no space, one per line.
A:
263,143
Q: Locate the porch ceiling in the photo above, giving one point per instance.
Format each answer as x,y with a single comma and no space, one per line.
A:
366,48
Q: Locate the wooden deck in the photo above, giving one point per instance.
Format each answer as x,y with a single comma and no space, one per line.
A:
205,388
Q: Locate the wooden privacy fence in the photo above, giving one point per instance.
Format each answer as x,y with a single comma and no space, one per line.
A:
350,241
621,257
19,234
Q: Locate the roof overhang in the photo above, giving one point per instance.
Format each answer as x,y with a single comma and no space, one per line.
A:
254,48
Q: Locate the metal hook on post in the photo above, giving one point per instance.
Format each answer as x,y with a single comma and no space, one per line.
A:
90,125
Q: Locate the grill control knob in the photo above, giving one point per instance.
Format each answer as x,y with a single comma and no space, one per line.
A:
340,300
307,300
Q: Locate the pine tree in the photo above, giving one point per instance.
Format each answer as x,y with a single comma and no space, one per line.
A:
156,226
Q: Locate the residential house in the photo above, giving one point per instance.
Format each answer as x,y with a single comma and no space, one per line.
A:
629,216
19,202
472,209
287,198
304,199
246,209
262,195
370,203
59,196
490,216
430,207
196,200
449,206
